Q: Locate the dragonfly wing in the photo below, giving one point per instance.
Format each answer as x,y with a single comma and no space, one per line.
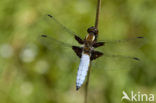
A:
62,30
52,43
82,70
61,25
120,53
132,39
122,49
77,50
134,42
55,46
116,62
95,54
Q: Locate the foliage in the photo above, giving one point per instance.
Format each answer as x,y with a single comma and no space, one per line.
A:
32,73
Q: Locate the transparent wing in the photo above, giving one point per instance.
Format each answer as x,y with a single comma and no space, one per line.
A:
120,54
56,45
56,27
61,25
122,46
52,43
57,49
56,30
125,40
115,62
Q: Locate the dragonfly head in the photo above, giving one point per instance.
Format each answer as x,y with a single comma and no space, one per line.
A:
92,30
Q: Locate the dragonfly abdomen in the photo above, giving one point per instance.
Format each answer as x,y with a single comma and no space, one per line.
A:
82,70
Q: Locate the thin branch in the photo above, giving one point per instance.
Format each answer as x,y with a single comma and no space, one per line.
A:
96,25
97,13
87,83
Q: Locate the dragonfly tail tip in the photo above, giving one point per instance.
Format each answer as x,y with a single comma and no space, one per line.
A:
77,88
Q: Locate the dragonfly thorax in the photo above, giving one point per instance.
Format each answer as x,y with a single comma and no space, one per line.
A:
88,43
88,48
90,38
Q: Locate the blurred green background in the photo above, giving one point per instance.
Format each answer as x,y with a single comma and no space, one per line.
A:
32,73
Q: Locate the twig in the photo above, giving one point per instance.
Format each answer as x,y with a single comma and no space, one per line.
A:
89,69
87,83
97,13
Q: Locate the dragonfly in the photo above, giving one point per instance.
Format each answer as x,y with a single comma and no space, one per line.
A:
87,51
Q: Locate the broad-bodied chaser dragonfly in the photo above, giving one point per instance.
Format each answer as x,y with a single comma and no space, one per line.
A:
86,52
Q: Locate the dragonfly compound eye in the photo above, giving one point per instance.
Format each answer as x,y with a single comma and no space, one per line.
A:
92,30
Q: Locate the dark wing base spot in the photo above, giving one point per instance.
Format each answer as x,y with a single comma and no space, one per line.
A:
79,40
98,44
95,54
77,50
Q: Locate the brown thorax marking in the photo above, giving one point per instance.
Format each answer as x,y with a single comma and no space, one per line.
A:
90,38
88,43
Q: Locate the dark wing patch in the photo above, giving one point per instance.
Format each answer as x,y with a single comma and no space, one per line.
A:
95,54
78,39
77,50
98,44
